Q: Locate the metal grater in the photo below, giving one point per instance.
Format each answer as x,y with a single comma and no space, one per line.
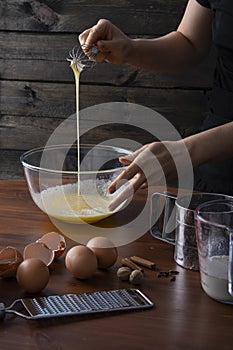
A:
78,304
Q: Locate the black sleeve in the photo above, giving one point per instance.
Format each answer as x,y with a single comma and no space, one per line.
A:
205,3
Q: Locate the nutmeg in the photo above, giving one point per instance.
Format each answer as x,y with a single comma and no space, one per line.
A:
136,277
123,273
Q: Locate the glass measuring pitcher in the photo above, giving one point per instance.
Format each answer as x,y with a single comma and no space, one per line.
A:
214,229
176,224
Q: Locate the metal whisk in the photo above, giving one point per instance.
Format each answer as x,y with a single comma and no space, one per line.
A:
91,51
83,56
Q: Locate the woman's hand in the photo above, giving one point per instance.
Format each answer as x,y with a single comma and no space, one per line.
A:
113,45
160,162
153,164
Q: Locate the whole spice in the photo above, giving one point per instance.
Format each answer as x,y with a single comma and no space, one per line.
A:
163,274
123,273
144,262
127,262
136,277
171,273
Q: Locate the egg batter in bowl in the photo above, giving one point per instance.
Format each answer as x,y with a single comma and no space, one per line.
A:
65,204
66,194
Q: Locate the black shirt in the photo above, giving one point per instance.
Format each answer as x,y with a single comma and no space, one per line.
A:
223,41
218,176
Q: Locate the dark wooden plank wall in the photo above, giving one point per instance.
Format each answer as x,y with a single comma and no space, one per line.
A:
37,86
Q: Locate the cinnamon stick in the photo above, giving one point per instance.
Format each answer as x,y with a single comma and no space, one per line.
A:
144,262
129,263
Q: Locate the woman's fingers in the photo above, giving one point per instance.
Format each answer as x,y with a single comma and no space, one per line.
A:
91,35
111,42
139,163
131,157
83,36
127,192
126,175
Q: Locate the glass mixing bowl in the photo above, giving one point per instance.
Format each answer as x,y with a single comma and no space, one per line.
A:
66,194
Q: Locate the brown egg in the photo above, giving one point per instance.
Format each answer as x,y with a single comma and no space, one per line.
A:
55,242
10,259
32,275
81,262
40,251
104,250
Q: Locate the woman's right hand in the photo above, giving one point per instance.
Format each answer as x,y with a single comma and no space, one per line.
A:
113,45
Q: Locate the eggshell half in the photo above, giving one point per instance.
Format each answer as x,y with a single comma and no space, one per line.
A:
55,242
40,251
10,259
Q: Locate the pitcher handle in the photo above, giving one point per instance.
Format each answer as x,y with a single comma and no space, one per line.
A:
230,263
164,226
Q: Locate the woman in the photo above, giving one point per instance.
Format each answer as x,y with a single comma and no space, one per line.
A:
205,22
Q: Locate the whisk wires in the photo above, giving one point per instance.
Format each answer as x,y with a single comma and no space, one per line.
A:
83,56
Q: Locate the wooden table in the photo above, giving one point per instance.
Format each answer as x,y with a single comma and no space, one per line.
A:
184,317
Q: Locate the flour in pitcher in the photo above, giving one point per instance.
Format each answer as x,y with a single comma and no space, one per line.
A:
215,278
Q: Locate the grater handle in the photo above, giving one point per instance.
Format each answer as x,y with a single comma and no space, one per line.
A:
10,309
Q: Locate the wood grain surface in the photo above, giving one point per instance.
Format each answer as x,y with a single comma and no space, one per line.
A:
37,89
74,16
184,317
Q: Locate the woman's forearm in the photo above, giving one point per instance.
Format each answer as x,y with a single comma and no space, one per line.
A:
211,145
175,52
179,50
172,53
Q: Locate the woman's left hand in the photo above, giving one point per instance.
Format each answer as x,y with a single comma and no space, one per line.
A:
152,164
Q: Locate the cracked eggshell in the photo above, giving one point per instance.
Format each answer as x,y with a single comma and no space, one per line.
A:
10,259
55,242
40,251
